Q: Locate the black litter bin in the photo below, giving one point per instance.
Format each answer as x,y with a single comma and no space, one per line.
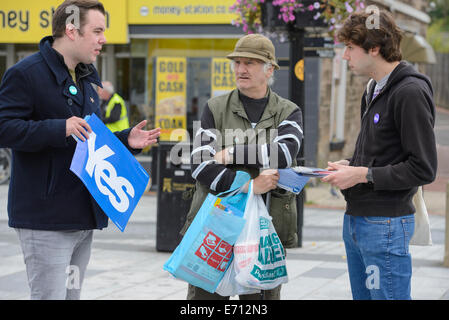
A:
174,194
154,164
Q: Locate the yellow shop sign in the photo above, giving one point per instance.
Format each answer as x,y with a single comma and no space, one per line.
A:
171,94
25,21
222,77
180,12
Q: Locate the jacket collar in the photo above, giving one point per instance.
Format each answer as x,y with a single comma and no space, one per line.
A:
237,106
58,67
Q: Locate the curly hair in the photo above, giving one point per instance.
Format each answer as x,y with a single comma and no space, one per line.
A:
387,35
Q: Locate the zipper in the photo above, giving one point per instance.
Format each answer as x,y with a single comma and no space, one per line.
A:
361,143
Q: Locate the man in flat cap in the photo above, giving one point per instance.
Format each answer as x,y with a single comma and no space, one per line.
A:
272,128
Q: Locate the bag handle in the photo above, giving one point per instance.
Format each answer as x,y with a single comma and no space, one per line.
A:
241,178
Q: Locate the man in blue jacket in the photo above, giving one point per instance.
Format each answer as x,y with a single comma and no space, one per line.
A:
43,100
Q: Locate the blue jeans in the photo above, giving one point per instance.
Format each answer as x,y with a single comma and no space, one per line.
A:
377,251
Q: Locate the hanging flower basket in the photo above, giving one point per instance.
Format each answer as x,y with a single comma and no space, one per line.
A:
256,16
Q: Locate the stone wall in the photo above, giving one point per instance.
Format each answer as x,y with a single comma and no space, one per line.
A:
355,85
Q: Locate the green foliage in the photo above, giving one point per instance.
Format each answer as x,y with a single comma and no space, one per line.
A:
439,10
438,35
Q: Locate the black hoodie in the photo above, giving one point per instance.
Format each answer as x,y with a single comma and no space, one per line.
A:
397,141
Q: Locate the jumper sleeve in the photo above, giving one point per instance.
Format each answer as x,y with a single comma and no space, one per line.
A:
205,169
281,152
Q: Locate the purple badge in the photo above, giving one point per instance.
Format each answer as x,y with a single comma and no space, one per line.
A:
376,118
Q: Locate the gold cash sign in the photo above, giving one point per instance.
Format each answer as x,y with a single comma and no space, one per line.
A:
25,21
171,98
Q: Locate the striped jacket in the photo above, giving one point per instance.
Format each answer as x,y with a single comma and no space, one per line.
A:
266,133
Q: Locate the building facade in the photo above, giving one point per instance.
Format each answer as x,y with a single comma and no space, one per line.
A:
166,58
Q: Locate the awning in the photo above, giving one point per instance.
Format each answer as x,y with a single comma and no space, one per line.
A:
416,49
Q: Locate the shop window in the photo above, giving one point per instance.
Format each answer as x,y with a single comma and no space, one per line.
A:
179,89
131,61
24,50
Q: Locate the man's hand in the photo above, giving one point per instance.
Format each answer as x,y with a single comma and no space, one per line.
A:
342,162
223,157
139,138
78,127
266,181
345,176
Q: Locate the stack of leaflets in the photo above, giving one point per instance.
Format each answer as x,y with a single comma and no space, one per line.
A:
311,172
294,179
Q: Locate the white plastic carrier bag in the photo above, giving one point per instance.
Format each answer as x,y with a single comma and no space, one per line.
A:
259,257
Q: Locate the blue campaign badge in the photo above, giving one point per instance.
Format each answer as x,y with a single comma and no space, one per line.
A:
73,90
113,176
376,118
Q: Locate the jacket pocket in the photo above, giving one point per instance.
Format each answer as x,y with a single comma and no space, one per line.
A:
284,214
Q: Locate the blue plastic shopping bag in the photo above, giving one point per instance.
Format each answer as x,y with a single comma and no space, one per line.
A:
205,251
113,176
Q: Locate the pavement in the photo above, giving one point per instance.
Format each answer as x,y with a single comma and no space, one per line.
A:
127,266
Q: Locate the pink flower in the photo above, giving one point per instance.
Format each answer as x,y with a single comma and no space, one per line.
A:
348,7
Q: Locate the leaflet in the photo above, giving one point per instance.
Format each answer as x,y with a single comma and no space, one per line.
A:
294,179
311,172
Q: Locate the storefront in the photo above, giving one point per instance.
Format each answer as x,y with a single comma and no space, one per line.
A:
164,57
181,47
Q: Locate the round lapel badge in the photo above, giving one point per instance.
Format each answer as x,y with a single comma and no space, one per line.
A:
73,90
376,118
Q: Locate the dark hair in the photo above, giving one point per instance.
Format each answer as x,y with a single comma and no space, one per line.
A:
387,36
60,16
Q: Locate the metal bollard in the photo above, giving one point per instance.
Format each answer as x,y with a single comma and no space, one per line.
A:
446,242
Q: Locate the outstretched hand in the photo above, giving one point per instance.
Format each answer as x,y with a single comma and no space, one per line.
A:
345,176
139,138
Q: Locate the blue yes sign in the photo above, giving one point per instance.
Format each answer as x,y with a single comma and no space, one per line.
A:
114,178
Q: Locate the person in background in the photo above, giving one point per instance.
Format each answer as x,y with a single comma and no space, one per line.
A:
113,109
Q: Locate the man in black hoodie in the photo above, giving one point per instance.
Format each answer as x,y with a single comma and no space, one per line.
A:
395,153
